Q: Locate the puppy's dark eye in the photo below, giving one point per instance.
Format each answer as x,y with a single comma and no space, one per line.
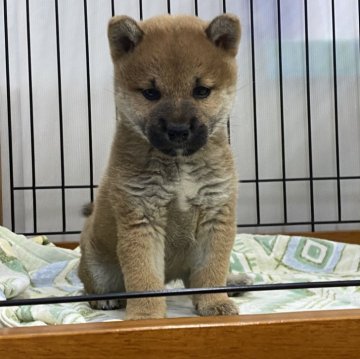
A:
151,94
200,92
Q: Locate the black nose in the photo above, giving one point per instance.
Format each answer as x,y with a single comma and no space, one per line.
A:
178,133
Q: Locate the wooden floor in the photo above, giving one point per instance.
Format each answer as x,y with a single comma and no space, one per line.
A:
352,237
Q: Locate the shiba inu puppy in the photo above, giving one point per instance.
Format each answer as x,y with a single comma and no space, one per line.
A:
165,208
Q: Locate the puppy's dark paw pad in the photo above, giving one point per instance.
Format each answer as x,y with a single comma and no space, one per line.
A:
107,304
238,279
226,307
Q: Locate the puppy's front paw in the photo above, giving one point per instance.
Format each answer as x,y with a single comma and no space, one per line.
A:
146,308
222,307
107,304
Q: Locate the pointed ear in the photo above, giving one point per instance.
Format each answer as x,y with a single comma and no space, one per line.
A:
124,35
224,32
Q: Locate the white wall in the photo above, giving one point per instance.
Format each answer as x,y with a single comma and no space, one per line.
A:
45,94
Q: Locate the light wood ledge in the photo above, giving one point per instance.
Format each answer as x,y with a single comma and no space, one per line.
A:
321,335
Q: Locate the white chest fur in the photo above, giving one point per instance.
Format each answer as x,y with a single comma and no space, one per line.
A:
187,187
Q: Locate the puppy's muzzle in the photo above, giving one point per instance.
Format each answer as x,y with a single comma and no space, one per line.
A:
178,134
177,138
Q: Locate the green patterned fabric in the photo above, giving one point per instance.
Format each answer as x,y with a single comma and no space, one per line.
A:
33,268
280,259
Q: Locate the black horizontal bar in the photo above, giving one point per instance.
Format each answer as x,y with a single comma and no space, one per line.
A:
180,292
297,223
265,180
294,179
54,187
245,225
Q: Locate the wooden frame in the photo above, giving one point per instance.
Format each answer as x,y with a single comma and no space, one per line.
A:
323,334
331,334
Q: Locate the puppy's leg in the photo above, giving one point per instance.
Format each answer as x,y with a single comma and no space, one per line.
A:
99,268
216,234
101,275
141,255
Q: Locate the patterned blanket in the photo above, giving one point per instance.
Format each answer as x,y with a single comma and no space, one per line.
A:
33,268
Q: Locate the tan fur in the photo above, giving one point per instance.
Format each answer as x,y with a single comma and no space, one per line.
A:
159,217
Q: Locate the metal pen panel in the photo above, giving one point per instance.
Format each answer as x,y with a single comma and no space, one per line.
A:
269,61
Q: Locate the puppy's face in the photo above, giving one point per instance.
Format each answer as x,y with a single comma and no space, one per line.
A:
175,77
